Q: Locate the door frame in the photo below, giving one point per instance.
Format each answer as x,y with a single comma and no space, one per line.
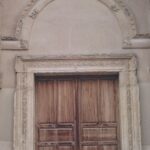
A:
125,66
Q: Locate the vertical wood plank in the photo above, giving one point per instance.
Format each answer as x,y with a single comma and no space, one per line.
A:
46,104
107,101
66,101
88,101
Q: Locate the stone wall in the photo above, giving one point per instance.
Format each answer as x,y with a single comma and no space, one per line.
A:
70,27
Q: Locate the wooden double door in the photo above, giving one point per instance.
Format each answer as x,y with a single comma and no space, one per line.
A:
77,113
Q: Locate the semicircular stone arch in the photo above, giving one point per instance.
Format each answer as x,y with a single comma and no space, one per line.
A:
123,15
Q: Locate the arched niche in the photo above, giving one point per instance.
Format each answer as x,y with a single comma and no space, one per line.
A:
123,15
75,27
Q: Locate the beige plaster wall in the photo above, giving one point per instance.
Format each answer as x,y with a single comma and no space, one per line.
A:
11,13
140,9
72,27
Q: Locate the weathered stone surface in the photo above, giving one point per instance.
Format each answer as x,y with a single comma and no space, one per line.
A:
71,27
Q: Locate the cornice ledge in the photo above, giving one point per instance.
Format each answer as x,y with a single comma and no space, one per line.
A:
140,41
128,60
12,43
74,57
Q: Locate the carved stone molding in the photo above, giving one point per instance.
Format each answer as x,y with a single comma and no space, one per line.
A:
24,26
28,17
123,65
12,43
122,13
124,16
137,43
140,41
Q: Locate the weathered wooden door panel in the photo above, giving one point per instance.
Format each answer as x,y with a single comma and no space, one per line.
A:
98,113
55,101
107,101
66,101
76,114
88,99
46,103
